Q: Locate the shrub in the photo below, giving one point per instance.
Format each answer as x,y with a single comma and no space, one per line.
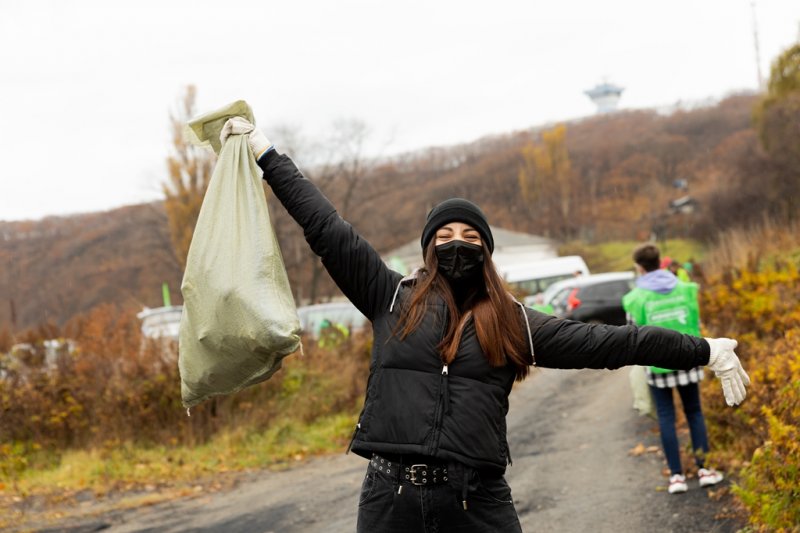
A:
754,296
116,389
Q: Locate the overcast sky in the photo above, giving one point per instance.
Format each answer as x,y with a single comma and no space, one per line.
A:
87,86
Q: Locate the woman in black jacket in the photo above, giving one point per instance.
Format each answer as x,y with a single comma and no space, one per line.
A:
449,342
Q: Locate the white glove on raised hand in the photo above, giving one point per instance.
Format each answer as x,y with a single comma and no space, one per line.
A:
725,364
240,126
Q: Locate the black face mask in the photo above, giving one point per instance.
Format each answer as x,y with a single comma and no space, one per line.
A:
459,260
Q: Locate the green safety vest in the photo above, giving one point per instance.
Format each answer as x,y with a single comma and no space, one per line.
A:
677,310
543,308
333,335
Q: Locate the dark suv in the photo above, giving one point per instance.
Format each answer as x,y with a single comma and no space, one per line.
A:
596,299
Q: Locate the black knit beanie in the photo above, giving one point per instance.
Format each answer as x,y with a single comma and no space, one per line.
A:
457,210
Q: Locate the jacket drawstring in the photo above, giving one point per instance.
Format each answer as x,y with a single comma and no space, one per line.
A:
408,278
394,298
508,454
528,328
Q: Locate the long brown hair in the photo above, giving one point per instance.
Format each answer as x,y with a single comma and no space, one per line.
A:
496,316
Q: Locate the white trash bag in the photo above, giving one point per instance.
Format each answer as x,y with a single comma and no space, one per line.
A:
239,318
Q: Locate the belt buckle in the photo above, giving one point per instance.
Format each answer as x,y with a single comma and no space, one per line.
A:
414,479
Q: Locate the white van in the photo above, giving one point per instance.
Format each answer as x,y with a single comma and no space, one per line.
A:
533,278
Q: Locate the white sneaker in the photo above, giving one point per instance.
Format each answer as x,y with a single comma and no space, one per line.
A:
677,484
709,476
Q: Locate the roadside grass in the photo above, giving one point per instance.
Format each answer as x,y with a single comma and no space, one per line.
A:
767,245
171,471
232,450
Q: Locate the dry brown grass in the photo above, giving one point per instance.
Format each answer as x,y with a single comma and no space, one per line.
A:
739,249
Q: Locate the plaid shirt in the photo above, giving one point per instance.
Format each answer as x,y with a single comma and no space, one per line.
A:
676,378
670,380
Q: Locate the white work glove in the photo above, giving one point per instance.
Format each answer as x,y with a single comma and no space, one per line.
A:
728,369
240,126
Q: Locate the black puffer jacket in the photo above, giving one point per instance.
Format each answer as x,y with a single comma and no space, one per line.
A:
416,405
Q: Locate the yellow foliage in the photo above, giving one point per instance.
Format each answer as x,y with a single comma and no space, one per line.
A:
760,308
546,179
190,171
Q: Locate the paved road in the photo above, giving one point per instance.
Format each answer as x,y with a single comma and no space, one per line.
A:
570,434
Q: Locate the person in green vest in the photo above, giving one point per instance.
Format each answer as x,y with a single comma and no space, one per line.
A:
332,334
661,299
680,272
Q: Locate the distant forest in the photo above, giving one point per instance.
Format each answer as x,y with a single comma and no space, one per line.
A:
601,178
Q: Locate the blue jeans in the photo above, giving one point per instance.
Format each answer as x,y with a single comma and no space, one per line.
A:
690,398
436,508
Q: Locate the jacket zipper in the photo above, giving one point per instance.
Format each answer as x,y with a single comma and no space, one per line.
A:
439,413
444,402
438,418
446,392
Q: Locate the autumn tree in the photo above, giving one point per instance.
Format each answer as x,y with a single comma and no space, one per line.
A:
762,166
547,182
6,338
338,165
633,187
783,92
778,122
342,170
189,171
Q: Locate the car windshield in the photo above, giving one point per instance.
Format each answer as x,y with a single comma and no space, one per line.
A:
559,299
537,286
553,290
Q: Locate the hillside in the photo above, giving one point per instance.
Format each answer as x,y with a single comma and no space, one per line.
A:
623,169
58,267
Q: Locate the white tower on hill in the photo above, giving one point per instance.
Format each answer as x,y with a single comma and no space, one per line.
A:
605,96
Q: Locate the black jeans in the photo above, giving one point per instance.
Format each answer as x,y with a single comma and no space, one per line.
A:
387,505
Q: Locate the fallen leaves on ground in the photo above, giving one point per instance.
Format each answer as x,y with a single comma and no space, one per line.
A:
641,449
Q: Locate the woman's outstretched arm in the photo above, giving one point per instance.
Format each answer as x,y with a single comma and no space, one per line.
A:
351,261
